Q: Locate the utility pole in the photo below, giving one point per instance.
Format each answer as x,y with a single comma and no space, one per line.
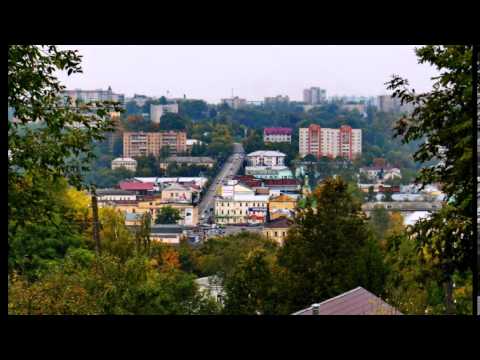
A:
96,234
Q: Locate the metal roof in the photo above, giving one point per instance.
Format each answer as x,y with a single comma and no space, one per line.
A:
354,302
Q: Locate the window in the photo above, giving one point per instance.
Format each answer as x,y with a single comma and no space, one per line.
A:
276,234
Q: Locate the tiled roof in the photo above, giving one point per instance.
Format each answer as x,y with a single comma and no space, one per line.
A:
354,302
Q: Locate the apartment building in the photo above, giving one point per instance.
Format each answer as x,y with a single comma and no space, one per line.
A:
235,102
279,99
277,134
314,95
136,144
344,142
266,158
157,111
87,96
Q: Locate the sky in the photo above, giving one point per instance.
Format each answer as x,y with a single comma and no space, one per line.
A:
210,72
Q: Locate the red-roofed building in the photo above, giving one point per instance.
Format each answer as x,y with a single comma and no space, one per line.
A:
283,184
354,302
141,187
277,134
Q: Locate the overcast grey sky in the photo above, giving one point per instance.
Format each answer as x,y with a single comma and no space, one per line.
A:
255,71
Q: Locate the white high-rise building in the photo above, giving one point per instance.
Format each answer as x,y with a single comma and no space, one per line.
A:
157,111
344,142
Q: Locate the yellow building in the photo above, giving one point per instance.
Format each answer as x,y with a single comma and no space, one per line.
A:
188,212
281,205
277,230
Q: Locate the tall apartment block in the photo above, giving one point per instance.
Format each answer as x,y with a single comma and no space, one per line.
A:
344,142
136,144
314,96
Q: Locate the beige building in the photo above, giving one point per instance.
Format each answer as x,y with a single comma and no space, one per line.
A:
266,158
241,209
176,193
136,144
127,163
188,160
344,142
277,230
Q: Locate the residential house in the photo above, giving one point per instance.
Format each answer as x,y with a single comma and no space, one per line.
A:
354,302
277,230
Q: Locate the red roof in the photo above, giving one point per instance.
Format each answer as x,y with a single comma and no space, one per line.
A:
354,302
127,185
277,131
273,182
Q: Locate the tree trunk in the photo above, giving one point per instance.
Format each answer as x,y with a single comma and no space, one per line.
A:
448,287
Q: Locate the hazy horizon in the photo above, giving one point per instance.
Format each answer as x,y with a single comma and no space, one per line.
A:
210,72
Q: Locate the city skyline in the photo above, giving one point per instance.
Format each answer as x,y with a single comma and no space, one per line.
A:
252,72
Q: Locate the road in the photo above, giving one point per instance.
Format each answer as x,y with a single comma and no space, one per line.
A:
229,170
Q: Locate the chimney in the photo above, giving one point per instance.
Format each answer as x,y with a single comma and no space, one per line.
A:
315,309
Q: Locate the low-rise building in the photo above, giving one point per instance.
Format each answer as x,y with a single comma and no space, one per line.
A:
127,163
168,234
139,187
188,160
282,206
277,135
277,230
269,172
104,195
191,142
235,102
266,158
354,302
381,173
241,209
176,193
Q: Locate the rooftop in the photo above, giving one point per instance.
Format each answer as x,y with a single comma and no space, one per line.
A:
354,302
277,182
266,153
128,185
109,191
124,159
277,131
280,223
281,198
190,159
166,229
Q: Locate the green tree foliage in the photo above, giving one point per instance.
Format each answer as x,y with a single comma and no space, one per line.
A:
250,289
84,284
107,178
193,109
51,139
335,244
442,121
167,215
172,121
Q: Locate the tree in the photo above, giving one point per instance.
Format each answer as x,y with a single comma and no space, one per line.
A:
333,240
172,121
442,122
371,194
167,215
52,137
249,290
387,196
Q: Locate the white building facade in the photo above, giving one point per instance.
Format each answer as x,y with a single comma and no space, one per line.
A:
266,158
127,163
157,111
